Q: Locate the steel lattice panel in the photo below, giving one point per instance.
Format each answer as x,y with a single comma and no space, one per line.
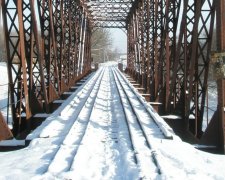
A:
109,13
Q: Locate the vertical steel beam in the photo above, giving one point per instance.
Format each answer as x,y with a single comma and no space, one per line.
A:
152,50
147,26
59,37
55,91
145,44
49,48
77,38
23,58
84,31
136,45
73,59
168,50
141,25
17,63
38,87
157,38
131,46
189,79
220,27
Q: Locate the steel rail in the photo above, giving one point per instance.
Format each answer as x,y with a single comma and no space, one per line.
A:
141,126
128,124
166,129
86,101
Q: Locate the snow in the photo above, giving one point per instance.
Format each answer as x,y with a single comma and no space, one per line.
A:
171,116
212,102
4,91
161,123
154,103
12,142
41,115
183,161
87,137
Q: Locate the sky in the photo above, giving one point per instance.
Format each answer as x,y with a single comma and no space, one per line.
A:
119,39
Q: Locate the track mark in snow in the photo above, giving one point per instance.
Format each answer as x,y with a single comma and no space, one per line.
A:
144,131
101,153
63,156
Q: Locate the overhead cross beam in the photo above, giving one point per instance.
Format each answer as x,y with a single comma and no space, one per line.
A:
109,13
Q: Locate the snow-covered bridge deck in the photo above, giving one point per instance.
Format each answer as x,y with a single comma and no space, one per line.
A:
106,130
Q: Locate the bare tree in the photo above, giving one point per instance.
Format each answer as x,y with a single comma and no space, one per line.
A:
101,43
114,54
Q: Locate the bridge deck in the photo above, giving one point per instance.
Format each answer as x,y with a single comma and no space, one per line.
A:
106,130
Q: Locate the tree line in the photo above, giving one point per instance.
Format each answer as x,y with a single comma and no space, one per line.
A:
101,46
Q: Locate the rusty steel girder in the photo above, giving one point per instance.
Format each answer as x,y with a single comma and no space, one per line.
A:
109,13
135,41
220,113
174,70
16,60
48,49
167,51
191,64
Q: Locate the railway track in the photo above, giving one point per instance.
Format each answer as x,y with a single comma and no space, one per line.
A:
142,128
74,134
120,124
94,114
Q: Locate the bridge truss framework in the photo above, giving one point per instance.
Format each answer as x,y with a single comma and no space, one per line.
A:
48,45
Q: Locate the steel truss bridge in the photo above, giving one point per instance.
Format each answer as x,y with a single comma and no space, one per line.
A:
48,48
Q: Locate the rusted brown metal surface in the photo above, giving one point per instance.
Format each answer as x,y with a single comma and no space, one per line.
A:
109,13
221,113
5,132
220,8
190,71
176,40
48,50
215,132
